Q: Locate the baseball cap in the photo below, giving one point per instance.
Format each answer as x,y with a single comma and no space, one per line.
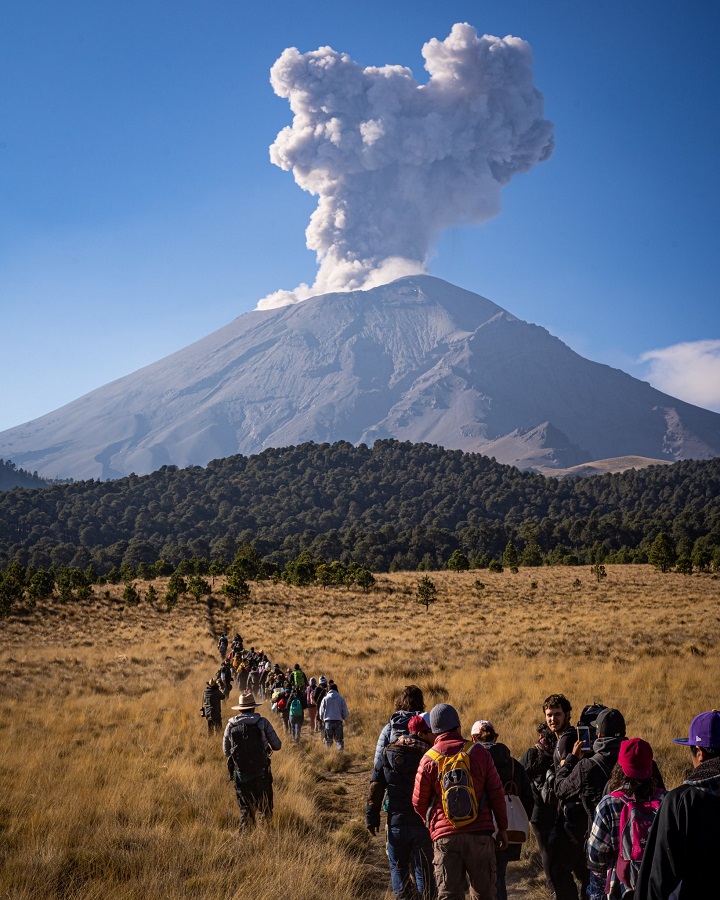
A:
610,723
477,726
419,723
704,731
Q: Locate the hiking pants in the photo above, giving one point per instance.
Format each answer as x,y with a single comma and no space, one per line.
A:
333,732
567,858
465,856
214,725
542,836
296,723
312,716
255,798
410,852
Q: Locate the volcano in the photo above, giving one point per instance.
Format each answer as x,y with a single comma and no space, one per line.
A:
418,359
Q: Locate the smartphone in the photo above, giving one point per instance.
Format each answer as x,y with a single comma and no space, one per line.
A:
584,736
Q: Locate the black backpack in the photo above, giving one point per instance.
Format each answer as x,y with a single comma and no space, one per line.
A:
588,716
247,752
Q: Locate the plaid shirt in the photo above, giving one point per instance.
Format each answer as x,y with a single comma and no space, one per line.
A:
603,844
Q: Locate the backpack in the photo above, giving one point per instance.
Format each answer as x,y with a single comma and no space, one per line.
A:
459,802
247,751
636,817
299,679
588,716
296,707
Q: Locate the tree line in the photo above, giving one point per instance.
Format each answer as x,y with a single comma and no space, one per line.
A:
394,505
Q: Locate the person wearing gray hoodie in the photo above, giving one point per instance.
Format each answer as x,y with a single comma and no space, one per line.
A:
333,712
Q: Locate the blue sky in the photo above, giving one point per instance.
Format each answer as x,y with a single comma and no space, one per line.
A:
139,210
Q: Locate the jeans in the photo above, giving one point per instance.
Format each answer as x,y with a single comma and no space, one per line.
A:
296,723
410,852
333,732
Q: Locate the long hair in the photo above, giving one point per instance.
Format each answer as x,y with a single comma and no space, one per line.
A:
410,699
640,788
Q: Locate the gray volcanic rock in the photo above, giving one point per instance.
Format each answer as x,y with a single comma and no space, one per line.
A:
417,360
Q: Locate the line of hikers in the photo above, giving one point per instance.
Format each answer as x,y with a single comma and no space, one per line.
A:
458,811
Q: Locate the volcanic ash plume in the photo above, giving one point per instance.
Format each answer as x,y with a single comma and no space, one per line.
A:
392,162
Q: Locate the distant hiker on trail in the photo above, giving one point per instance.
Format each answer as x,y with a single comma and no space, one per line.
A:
680,860
224,677
296,715
311,705
409,846
211,706
457,791
298,679
248,741
622,820
333,712
515,781
318,696
223,646
237,644
264,670
253,681
410,702
537,762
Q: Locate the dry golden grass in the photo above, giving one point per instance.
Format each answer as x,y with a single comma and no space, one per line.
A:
111,788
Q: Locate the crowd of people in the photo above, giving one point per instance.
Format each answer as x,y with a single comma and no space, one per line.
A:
458,811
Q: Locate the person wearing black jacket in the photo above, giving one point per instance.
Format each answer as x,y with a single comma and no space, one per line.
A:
680,859
537,762
211,706
409,846
515,780
566,856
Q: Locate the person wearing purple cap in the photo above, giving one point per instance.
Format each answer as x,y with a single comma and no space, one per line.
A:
634,797
680,861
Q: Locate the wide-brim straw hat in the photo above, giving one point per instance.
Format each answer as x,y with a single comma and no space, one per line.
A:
247,701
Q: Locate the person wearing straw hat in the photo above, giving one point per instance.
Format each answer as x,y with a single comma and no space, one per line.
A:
680,859
248,742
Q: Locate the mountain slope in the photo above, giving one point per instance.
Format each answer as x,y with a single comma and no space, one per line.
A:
418,359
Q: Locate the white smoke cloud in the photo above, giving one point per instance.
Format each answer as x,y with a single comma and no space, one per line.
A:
394,163
689,371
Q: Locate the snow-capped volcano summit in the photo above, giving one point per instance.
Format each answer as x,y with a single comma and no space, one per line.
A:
418,359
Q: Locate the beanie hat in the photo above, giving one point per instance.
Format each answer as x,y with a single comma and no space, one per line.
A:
444,717
636,758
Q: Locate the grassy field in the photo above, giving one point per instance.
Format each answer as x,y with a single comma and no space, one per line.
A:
112,789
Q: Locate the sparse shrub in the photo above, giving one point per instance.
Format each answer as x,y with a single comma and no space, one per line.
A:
479,585
533,585
458,562
598,570
426,592
131,595
514,570
495,566
577,583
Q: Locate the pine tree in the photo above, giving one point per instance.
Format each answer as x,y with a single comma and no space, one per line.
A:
426,592
662,553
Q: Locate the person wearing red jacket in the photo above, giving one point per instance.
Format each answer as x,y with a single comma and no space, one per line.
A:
468,851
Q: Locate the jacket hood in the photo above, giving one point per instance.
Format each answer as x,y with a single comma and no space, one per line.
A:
706,777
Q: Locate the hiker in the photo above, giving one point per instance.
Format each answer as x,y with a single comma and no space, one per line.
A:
243,671
318,696
409,846
298,679
333,711
223,646
310,704
248,741
680,860
515,781
623,818
237,644
264,671
566,852
296,715
253,681
579,786
211,706
459,817
224,678
410,702
537,762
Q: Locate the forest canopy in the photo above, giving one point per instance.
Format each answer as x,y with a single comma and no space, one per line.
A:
394,505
